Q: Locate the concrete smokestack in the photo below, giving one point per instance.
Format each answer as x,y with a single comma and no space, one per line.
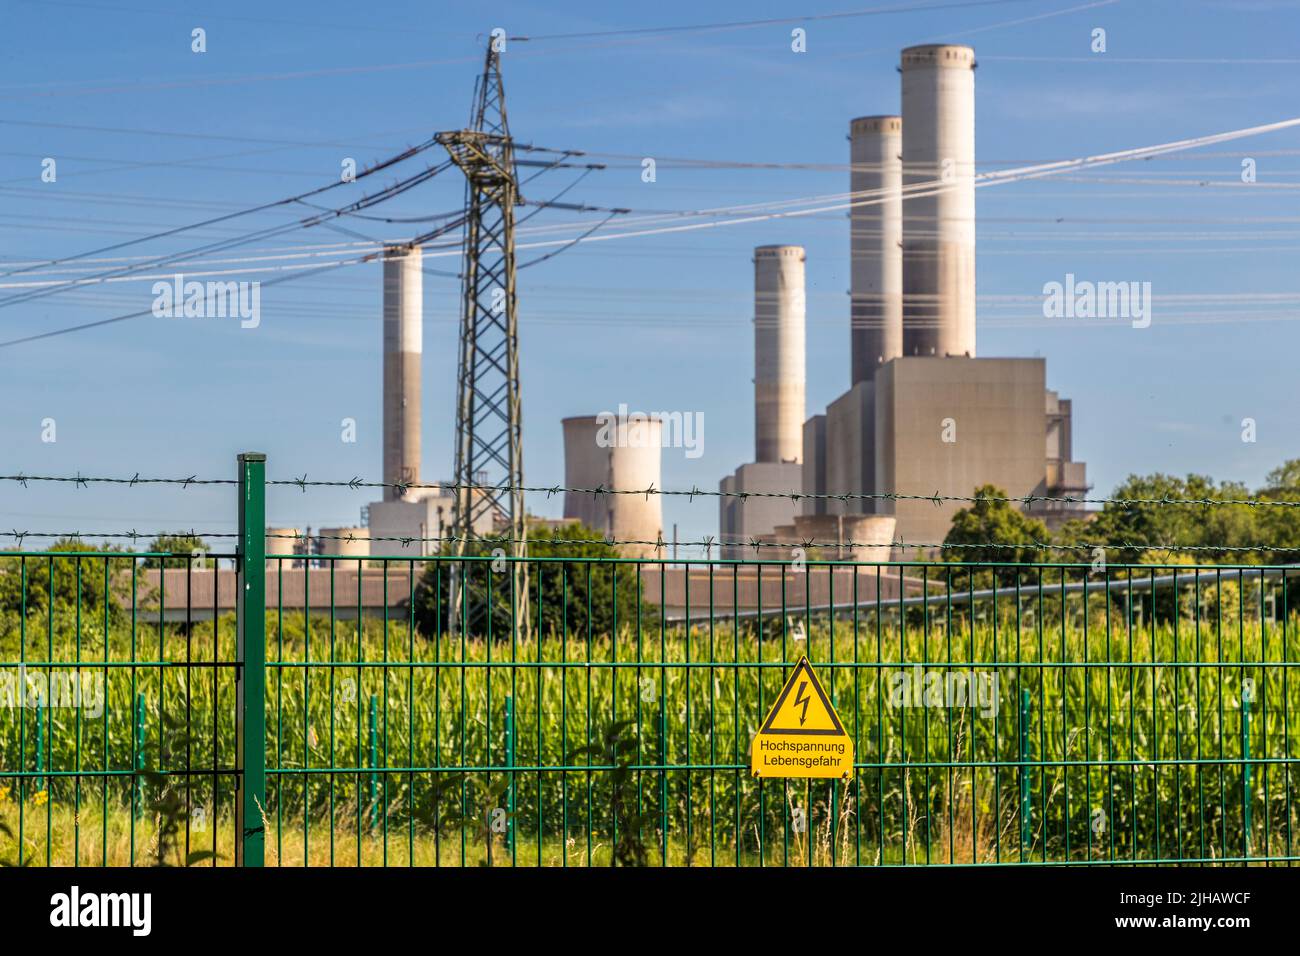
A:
403,345
778,353
939,229
876,244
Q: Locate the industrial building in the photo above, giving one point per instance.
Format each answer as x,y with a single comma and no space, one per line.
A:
922,414
779,395
613,451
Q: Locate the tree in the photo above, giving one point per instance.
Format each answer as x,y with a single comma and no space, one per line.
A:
559,592
62,583
989,522
1152,522
178,544
1279,525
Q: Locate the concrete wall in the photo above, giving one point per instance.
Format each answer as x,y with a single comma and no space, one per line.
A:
851,449
196,593
876,244
426,517
997,409
839,537
1064,478
814,464
741,519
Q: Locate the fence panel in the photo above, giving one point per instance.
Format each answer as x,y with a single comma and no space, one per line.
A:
116,711
1138,717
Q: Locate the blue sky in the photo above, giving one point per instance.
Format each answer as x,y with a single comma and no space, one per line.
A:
148,135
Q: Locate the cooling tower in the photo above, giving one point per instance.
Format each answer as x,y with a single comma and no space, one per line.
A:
605,451
586,465
403,343
778,353
876,244
635,463
344,542
284,541
939,224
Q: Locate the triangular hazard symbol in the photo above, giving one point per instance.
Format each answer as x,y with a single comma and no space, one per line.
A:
802,707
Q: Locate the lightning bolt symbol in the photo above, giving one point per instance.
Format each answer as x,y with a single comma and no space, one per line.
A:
799,698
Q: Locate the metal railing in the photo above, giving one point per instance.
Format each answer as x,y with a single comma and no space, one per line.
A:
388,710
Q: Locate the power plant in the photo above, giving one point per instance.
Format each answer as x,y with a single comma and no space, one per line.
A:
921,413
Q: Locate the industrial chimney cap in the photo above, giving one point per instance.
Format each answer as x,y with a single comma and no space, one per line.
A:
633,415
767,251
876,124
939,54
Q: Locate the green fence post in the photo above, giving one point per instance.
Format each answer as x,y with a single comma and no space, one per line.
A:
374,761
250,674
39,782
1245,769
1026,806
663,776
139,750
510,764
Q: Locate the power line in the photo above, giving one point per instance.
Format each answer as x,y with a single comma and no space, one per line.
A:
1051,168
172,134
1158,60
949,36
353,26
365,202
369,171
770,21
143,312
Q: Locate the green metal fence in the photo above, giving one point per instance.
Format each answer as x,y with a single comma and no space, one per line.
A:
395,711
96,699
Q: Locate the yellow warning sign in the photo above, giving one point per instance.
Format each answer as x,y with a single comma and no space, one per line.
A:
802,735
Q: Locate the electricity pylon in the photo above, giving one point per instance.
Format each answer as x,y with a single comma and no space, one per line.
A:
489,455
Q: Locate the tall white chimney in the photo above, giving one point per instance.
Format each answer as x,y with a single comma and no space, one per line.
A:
939,229
876,244
778,353
403,345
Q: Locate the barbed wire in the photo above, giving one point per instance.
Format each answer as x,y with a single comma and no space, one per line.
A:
81,480
660,544
935,497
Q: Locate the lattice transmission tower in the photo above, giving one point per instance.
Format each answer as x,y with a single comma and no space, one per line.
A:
489,454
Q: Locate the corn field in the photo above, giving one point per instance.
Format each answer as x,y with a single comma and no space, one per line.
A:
1057,734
